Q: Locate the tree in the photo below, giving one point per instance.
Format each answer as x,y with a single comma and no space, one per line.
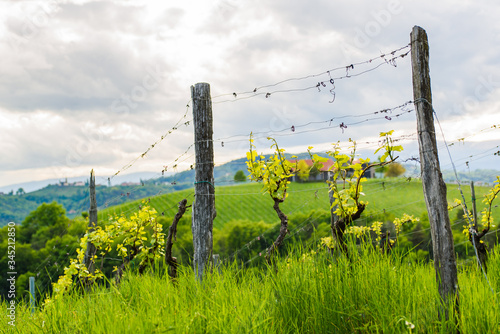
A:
302,170
240,176
20,191
43,224
395,170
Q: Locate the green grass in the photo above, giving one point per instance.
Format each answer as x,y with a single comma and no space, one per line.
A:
309,293
396,196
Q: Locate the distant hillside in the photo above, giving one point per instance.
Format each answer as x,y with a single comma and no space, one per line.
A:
223,174
75,198
37,185
480,176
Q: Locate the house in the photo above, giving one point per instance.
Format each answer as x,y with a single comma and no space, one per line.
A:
326,171
128,184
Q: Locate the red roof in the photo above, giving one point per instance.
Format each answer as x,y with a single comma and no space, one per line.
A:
326,165
310,163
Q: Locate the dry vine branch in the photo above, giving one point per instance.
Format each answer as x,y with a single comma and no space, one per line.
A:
275,174
172,233
121,269
339,226
283,229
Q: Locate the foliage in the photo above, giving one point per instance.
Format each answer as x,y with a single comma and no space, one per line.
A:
242,239
273,172
346,184
75,198
376,228
127,235
302,170
42,224
394,170
486,213
314,171
388,146
381,169
240,176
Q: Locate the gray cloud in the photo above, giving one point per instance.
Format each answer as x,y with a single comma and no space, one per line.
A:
122,70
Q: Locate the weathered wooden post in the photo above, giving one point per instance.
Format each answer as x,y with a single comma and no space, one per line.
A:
475,237
474,208
89,253
204,191
333,216
32,294
432,180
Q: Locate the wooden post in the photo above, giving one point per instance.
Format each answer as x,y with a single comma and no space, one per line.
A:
333,217
32,294
204,191
475,236
432,180
474,208
217,263
90,252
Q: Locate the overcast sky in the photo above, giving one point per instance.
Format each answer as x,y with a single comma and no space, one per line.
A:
92,84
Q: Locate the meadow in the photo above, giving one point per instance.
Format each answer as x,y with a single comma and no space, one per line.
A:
309,292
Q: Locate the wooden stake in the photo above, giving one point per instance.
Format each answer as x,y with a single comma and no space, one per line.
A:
481,249
32,294
172,235
91,250
204,205
432,180
474,208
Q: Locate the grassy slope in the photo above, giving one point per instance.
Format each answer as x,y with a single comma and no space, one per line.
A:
245,201
309,293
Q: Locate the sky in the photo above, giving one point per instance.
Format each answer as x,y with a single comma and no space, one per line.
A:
93,84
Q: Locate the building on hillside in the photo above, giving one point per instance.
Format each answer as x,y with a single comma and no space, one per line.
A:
326,171
128,184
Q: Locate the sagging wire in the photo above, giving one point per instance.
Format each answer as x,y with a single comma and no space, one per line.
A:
179,123
331,80
321,84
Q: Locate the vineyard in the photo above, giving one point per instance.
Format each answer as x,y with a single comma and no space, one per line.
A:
311,294
246,201
273,256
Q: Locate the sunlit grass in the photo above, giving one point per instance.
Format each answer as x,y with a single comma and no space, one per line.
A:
310,292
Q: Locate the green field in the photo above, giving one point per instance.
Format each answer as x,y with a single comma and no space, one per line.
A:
245,201
309,292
